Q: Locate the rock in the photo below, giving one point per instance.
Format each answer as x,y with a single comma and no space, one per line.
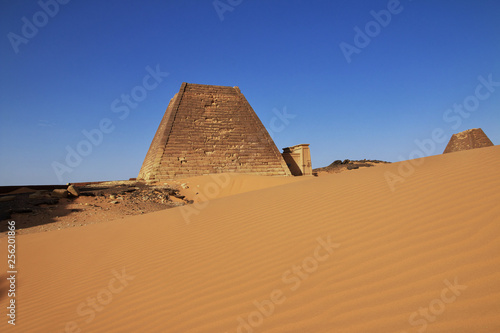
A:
114,202
112,196
23,210
337,162
4,215
346,161
39,195
60,193
184,185
7,198
46,201
73,191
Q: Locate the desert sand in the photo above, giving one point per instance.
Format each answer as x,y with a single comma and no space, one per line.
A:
204,188
336,253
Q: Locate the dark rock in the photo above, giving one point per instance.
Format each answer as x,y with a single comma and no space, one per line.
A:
47,201
73,191
131,189
23,210
60,193
7,198
39,195
5,214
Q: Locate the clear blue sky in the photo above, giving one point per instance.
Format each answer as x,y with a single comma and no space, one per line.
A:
396,88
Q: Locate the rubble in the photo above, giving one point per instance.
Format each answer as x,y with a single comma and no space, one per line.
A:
78,204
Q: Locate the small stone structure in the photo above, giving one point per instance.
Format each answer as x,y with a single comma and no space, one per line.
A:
210,129
469,139
298,159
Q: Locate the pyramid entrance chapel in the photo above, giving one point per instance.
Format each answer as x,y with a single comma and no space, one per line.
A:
210,129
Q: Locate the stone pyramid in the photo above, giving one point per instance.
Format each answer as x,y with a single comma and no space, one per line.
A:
469,139
210,129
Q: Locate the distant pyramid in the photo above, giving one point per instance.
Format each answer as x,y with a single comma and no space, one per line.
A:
469,139
210,129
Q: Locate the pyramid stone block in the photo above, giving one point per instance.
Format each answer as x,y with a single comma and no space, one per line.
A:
210,129
469,139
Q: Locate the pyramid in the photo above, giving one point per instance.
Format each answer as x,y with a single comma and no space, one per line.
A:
210,129
469,139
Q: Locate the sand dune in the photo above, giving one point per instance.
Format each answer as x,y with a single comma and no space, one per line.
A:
339,253
204,188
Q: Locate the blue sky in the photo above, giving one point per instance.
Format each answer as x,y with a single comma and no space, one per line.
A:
400,84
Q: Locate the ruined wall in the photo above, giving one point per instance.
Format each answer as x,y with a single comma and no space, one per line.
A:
210,129
298,159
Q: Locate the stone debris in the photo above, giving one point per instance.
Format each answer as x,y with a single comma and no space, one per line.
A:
7,198
39,195
96,202
339,166
73,191
132,193
60,193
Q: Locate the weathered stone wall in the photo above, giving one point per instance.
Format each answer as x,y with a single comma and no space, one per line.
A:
469,139
298,159
210,129
155,152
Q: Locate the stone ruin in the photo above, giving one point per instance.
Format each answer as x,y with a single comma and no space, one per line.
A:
298,159
469,139
210,129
